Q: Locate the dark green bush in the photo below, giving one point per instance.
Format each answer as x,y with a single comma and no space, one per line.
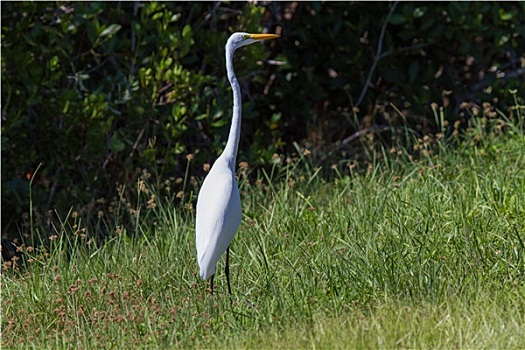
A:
97,94
443,52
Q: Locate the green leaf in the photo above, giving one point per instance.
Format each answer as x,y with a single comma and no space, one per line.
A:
413,71
504,15
186,32
111,30
419,12
115,144
397,18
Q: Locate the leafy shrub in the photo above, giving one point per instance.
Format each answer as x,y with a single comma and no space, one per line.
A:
348,64
96,95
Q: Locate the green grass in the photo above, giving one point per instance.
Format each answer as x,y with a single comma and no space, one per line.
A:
426,254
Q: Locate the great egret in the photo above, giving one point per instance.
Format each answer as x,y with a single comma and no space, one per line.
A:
219,202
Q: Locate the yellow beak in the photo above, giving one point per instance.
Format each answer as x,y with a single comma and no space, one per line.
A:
263,36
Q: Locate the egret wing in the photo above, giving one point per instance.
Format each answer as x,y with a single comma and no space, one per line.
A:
218,217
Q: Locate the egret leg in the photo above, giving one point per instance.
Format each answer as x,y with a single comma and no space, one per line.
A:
227,270
211,284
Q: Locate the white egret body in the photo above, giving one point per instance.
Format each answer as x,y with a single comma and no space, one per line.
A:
219,201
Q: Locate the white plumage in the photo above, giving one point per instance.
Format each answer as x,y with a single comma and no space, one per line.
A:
219,203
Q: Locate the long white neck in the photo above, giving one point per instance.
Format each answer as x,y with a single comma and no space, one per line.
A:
230,152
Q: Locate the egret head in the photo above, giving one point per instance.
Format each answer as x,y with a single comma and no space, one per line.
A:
240,39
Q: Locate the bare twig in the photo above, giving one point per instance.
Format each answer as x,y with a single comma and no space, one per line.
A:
136,6
378,53
378,56
139,137
486,82
353,137
209,15
513,74
403,49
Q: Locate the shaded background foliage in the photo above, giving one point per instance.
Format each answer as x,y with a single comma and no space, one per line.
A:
96,95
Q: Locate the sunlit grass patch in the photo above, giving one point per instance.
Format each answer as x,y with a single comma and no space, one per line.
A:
426,253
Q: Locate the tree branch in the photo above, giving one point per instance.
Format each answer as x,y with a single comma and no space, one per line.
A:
353,137
378,55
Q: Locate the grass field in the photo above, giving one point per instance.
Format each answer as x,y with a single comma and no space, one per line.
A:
426,254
